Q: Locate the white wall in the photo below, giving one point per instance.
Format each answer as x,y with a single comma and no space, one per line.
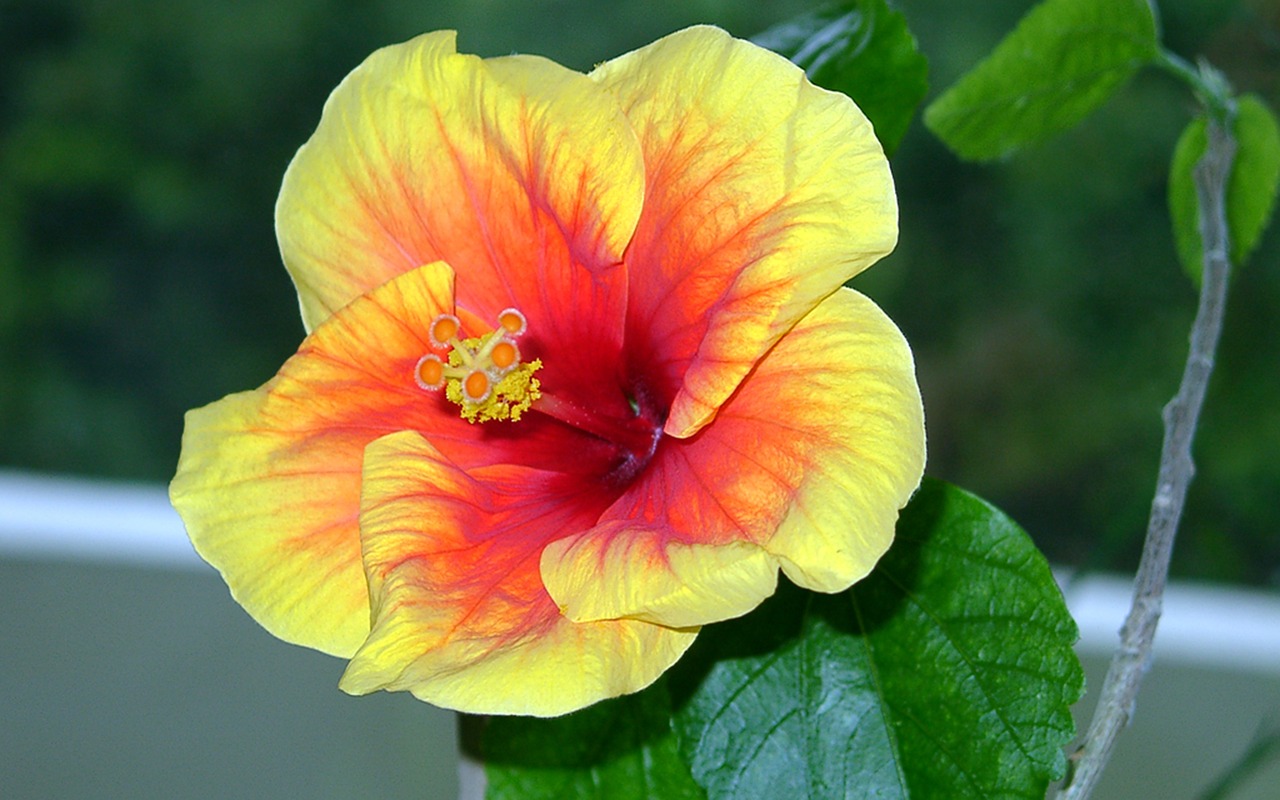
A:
126,667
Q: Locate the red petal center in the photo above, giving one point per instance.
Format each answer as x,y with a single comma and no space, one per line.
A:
634,437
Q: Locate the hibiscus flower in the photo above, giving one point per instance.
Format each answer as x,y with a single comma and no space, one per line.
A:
580,376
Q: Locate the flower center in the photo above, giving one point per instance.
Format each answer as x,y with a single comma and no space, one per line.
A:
634,435
483,375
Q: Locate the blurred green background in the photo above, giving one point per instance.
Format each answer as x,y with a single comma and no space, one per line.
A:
142,145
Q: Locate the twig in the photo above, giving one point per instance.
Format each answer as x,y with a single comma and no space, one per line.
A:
1129,664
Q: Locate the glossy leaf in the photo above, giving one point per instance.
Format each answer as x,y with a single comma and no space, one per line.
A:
1251,190
1064,59
863,49
948,672
622,749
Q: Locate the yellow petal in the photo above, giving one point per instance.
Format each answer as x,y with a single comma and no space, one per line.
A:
521,174
847,375
765,193
268,483
804,468
461,618
622,570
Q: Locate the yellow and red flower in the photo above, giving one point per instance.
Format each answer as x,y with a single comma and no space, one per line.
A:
580,377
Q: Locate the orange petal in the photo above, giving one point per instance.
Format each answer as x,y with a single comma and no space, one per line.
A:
461,618
765,194
268,483
804,468
522,175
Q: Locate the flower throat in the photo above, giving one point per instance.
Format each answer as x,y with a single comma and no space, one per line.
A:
486,378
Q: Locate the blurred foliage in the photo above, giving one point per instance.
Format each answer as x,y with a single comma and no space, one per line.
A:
1063,60
142,144
1251,190
864,49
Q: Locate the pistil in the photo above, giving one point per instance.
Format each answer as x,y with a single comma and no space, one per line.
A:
636,436
483,375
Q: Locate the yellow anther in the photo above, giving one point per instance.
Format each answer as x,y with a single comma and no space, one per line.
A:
430,372
508,398
505,355
512,321
443,328
483,374
476,387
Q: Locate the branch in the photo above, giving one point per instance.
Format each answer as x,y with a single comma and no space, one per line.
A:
1118,697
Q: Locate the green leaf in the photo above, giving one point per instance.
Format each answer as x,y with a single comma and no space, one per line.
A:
1063,60
863,49
1184,208
948,672
623,749
1251,189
